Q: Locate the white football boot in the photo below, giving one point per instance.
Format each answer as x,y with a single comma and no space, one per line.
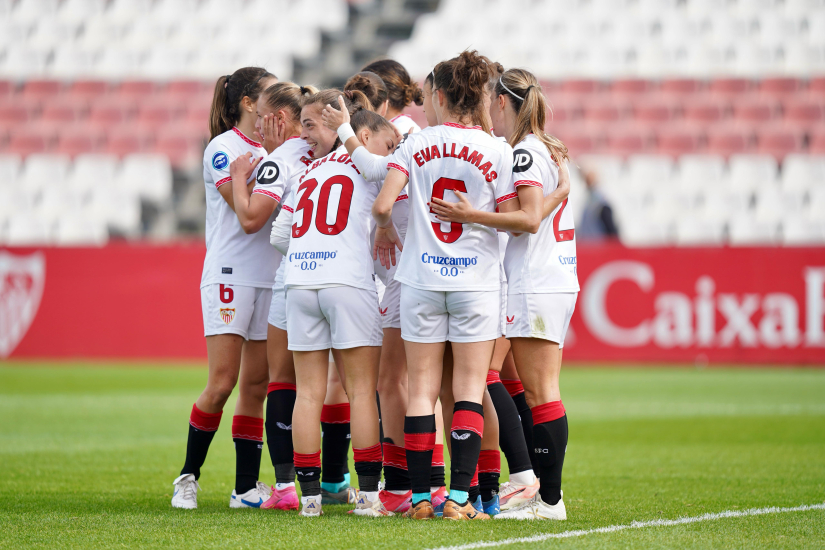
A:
186,492
253,498
370,505
536,508
311,506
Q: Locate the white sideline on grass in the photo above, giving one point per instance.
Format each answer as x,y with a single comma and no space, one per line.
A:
637,525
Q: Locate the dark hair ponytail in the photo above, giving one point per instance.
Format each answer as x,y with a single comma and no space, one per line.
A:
371,85
402,90
229,92
464,80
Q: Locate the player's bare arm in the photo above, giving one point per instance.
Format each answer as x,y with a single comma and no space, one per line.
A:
520,215
335,118
554,199
253,210
386,238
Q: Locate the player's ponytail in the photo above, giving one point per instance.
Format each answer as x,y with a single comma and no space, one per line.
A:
464,80
229,92
287,96
402,90
524,93
371,85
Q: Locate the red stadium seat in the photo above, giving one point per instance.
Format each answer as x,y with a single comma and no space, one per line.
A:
632,86
727,140
109,112
25,143
74,144
564,107
755,108
186,88
42,88
730,86
155,114
88,89
179,146
655,109
628,140
578,141
816,143
805,111
817,84
679,140
547,86
63,111
779,141
137,89
680,86
780,86
605,110
128,138
6,88
13,112
581,86
704,109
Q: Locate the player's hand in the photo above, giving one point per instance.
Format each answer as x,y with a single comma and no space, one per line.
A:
334,118
269,133
458,212
386,241
563,190
243,167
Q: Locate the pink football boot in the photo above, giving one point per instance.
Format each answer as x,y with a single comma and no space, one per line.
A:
396,503
283,499
439,496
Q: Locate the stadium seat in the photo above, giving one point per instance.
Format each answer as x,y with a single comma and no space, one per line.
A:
632,86
44,171
773,204
700,171
41,89
704,109
798,231
780,86
109,112
642,232
126,139
692,230
805,111
25,143
678,140
650,170
76,230
9,168
730,86
748,171
63,110
13,113
88,89
179,146
628,140
609,168
746,231
581,86
801,172
90,171
816,140
25,230
654,109
680,86
779,141
606,110
148,175
116,209
817,84
755,109
579,142
726,140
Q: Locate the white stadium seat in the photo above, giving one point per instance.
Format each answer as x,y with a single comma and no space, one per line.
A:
44,171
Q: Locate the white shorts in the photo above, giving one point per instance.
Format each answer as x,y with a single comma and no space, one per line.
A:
503,309
390,308
429,316
545,316
233,309
277,309
339,317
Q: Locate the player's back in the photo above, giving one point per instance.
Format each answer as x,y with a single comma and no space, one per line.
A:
330,236
232,256
439,160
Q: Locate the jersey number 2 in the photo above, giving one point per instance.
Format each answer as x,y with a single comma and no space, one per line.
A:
566,234
306,204
456,229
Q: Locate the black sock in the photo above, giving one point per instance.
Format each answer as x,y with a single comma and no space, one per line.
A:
247,464
280,402
202,428
396,476
419,440
308,472
466,431
380,420
488,483
335,442
510,432
474,493
527,427
551,445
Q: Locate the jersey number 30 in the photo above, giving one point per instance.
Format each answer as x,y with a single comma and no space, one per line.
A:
456,229
306,204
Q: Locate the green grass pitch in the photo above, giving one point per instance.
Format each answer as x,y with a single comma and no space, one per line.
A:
88,454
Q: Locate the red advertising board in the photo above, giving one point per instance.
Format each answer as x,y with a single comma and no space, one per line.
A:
717,305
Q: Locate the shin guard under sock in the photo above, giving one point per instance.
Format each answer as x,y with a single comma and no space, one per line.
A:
396,476
489,470
308,471
248,435
516,391
280,401
419,440
368,467
510,431
550,437
466,433
202,428
335,442
437,474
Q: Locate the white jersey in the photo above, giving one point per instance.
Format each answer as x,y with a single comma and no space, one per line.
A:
543,262
232,256
330,239
275,176
437,160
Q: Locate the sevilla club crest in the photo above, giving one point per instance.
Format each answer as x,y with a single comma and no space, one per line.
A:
227,314
21,287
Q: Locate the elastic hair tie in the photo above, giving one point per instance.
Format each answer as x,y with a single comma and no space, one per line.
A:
509,90
226,82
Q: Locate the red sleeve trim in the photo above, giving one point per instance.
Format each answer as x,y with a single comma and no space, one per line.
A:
222,181
288,208
402,198
269,194
529,182
399,168
507,197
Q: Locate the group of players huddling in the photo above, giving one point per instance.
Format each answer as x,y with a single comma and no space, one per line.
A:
461,227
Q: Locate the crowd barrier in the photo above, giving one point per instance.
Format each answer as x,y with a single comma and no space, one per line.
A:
683,305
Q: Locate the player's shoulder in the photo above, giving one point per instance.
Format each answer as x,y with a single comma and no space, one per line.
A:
530,152
222,149
405,123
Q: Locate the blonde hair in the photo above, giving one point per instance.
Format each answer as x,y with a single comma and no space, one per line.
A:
524,92
287,96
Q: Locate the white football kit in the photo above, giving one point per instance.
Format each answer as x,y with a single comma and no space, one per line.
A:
541,267
450,271
275,176
331,300
236,264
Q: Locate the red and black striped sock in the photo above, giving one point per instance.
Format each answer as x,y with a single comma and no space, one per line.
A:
550,436
437,474
308,471
335,441
516,391
396,476
202,428
419,440
280,401
368,467
510,432
489,470
248,435
466,433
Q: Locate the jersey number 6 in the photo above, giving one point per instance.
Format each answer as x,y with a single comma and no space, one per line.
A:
306,204
441,185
